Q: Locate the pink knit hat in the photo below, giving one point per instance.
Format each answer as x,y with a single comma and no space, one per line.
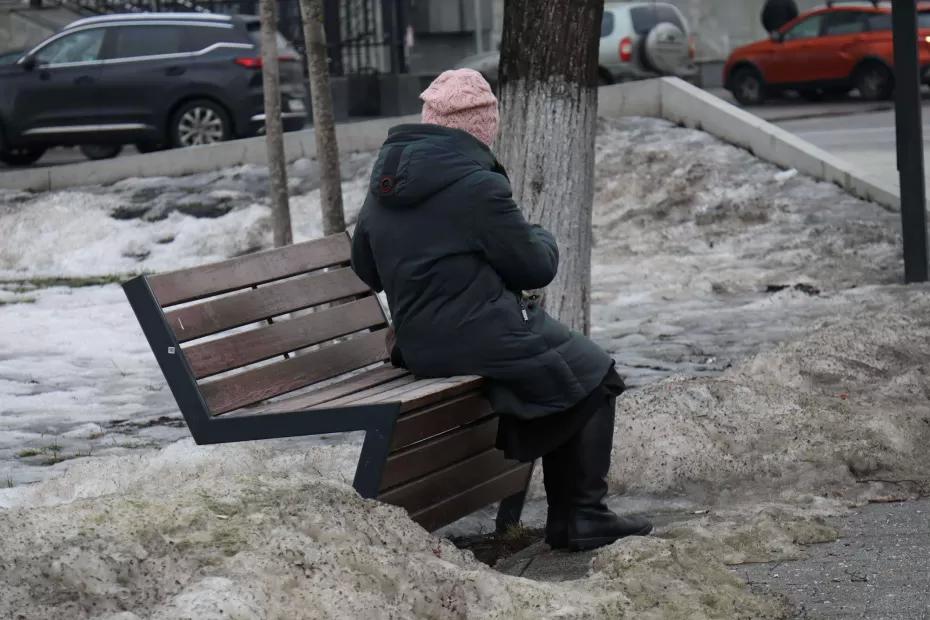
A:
462,99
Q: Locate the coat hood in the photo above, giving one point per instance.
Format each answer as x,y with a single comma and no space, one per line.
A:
419,160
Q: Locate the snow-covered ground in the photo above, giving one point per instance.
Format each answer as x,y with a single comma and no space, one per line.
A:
756,310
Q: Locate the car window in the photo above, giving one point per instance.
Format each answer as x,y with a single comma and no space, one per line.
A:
607,24
807,29
196,38
83,46
137,41
881,21
923,19
645,18
844,23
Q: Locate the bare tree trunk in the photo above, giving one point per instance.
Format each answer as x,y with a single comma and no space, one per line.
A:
324,125
274,131
548,86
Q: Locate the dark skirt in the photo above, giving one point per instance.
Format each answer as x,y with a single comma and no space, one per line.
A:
527,440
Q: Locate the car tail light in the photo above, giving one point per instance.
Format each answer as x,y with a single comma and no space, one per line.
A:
692,47
255,62
626,50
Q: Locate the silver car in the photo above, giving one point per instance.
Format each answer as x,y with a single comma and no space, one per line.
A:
638,40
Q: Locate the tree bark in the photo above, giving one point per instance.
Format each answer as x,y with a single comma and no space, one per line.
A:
548,93
324,125
274,131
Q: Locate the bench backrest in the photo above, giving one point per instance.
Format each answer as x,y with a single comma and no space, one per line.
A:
238,330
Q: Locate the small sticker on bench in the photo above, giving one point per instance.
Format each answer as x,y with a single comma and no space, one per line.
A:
170,350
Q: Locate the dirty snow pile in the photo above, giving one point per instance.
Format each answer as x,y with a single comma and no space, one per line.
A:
843,412
251,533
159,224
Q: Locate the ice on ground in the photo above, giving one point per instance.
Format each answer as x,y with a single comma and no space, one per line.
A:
705,255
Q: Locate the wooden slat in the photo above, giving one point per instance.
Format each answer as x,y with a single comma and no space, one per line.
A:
241,349
424,392
395,385
453,386
438,452
448,481
302,402
389,392
189,284
252,386
437,419
216,315
453,508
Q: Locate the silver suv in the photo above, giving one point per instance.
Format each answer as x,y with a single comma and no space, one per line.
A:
638,40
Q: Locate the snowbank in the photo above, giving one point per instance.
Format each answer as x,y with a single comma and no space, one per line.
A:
842,412
248,533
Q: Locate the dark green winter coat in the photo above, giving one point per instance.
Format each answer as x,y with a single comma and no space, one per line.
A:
440,233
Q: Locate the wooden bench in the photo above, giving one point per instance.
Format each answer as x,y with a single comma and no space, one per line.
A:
289,342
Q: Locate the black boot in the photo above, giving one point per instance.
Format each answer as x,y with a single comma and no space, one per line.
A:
557,478
590,523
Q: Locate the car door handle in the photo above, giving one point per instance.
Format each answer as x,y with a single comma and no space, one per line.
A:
83,80
175,71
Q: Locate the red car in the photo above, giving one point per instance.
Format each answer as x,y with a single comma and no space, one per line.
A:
826,51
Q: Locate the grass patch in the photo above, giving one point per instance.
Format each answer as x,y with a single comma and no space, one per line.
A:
8,483
25,454
52,460
30,284
24,300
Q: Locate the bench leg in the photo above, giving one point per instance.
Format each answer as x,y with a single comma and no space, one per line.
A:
375,451
511,508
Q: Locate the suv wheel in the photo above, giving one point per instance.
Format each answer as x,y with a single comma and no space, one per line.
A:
747,86
874,82
200,122
25,156
101,151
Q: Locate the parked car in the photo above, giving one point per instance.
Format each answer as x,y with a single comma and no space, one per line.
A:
156,80
638,40
830,50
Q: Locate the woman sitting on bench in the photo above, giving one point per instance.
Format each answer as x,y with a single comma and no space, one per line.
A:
441,234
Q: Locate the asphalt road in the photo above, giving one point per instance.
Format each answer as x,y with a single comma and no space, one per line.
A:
865,139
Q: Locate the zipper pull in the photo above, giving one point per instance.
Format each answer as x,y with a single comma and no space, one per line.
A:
526,317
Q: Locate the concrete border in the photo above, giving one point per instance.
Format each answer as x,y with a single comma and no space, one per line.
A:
361,136
679,102
669,98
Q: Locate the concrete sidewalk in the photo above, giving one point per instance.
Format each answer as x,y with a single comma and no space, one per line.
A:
879,568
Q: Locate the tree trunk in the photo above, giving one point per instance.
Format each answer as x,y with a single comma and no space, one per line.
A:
548,92
324,125
274,131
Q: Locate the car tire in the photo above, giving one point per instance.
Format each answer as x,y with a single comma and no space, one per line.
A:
200,122
97,152
874,82
21,156
747,86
